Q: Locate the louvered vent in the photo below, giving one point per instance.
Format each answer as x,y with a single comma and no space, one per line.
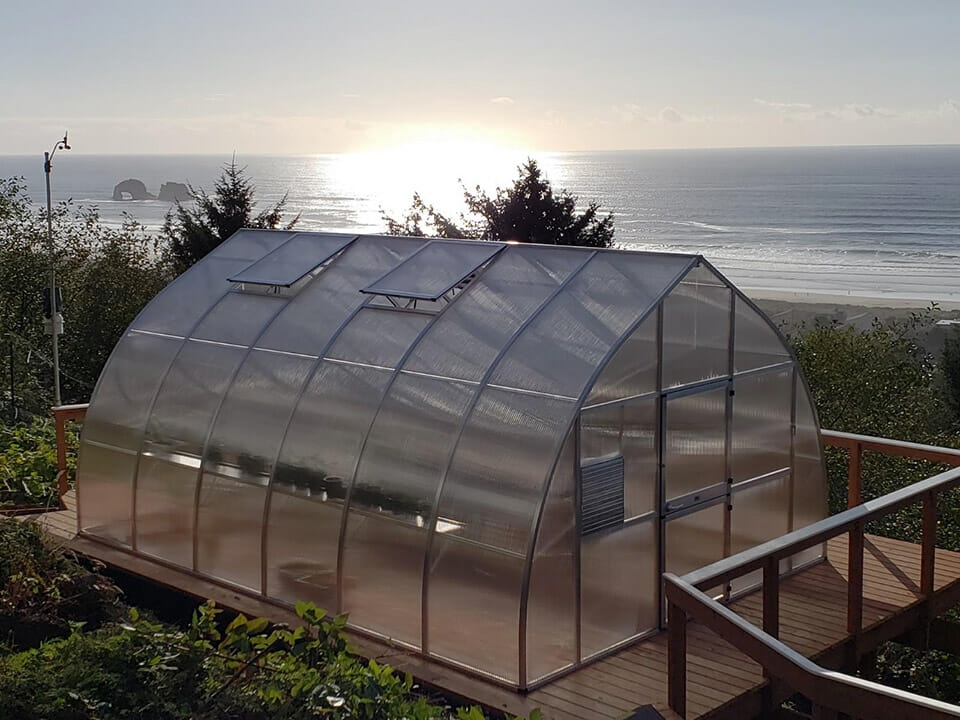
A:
601,495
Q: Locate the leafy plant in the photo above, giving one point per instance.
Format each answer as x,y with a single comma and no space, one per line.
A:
28,463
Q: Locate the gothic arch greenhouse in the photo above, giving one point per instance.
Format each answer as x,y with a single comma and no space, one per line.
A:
487,452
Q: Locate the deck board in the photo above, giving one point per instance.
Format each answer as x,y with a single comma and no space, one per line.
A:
812,621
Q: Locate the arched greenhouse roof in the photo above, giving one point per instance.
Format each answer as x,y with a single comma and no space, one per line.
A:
354,420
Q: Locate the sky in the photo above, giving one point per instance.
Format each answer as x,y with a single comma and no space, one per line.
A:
285,77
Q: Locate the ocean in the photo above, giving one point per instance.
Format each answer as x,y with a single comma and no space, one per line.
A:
861,222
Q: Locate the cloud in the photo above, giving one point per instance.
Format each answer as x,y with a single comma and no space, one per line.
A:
671,115
863,110
949,108
502,100
783,105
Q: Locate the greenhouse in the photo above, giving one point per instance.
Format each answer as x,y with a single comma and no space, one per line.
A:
485,452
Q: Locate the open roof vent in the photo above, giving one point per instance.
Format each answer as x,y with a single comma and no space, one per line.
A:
432,276
289,267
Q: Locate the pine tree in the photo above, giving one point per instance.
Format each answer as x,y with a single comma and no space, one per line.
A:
192,232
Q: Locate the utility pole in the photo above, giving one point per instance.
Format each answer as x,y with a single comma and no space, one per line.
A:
56,319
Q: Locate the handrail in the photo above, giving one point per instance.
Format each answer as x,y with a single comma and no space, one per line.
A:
798,540
852,695
829,691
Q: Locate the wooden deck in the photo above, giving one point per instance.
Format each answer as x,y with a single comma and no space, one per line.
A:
722,682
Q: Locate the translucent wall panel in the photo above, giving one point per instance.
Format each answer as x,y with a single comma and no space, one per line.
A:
238,318
628,429
695,540
489,498
314,469
173,447
378,337
809,475
552,597
618,585
560,350
183,302
466,339
312,317
696,329
633,368
113,431
392,500
755,342
694,442
761,512
238,462
761,423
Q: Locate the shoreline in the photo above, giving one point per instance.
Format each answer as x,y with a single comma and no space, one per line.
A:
840,300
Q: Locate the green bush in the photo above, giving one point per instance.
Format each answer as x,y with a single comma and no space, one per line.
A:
28,463
249,670
44,590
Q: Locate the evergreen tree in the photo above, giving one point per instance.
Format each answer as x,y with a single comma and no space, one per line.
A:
528,211
192,232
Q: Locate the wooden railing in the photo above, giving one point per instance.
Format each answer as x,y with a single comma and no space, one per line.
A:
830,692
62,414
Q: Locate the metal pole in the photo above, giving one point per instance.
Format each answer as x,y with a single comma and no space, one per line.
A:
53,286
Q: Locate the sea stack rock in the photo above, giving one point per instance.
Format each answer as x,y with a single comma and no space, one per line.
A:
134,188
174,192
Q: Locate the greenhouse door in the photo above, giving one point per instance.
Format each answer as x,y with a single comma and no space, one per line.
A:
694,486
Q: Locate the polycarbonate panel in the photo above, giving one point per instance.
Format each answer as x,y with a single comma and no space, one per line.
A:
311,318
488,500
552,598
435,270
810,484
392,501
696,329
173,447
761,424
230,517
761,512
300,255
378,337
119,407
465,340
239,459
633,368
302,537
695,442
184,301
474,606
189,397
238,318
105,500
115,420
314,469
618,585
694,541
755,343
629,430
560,351
250,244
166,493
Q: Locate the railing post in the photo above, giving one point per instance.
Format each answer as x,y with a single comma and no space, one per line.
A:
60,422
929,543
854,476
771,597
677,659
854,592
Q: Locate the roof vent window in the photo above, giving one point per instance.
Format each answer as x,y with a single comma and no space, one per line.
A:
288,268
432,276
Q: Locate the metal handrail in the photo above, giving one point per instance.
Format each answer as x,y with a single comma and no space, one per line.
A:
830,691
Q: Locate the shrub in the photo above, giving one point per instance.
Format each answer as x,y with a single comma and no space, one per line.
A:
28,463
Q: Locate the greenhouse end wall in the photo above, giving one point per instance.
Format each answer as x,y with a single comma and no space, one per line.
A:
402,429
